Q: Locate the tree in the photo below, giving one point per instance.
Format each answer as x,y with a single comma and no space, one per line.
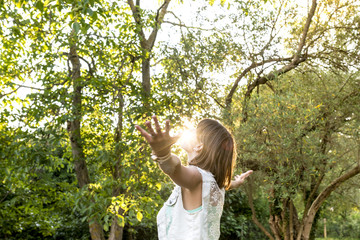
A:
304,141
84,76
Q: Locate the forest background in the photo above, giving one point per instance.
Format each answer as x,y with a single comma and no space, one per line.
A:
76,76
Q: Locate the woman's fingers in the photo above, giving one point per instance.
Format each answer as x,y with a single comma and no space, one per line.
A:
157,125
144,133
241,178
245,175
167,127
158,137
150,129
248,173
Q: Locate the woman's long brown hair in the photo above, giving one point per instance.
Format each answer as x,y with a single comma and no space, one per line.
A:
218,153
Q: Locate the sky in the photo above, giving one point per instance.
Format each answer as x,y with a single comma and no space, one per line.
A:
187,12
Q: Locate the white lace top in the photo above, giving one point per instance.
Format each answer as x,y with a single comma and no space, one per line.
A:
174,222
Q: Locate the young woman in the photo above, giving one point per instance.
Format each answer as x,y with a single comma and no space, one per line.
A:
194,208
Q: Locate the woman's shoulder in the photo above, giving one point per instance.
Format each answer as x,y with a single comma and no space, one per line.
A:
206,175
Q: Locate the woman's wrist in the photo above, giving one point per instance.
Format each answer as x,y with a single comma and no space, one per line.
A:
161,159
162,153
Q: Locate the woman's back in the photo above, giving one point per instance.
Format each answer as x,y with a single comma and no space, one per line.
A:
175,222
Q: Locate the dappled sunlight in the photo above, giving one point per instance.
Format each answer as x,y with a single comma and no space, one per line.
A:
77,77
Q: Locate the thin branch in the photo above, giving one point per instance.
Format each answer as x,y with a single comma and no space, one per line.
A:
183,25
130,74
7,193
89,66
35,88
158,11
270,86
120,67
5,94
347,80
229,97
261,52
305,31
99,36
217,101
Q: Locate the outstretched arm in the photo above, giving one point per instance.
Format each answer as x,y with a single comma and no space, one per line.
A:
239,179
160,142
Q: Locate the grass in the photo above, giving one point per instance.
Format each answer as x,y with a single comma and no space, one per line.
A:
337,239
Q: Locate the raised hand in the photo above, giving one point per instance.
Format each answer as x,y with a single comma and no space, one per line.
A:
239,179
159,141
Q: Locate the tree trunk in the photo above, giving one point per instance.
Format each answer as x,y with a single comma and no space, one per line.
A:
147,44
116,231
96,231
73,128
249,188
146,84
309,218
291,224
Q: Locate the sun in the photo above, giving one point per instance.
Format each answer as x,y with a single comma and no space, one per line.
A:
188,131
188,124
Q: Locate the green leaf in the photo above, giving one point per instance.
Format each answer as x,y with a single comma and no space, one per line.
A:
39,5
90,12
76,26
106,227
19,3
139,216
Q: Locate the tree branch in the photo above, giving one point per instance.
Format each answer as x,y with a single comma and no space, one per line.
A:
310,215
305,32
183,25
159,19
9,93
91,72
249,188
229,97
35,88
136,15
294,63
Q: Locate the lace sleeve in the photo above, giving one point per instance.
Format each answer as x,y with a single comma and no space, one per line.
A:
215,211
216,197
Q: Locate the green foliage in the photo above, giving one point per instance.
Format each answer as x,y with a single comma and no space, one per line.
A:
236,220
288,132
344,225
36,37
336,238
341,212
36,190
305,130
307,126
